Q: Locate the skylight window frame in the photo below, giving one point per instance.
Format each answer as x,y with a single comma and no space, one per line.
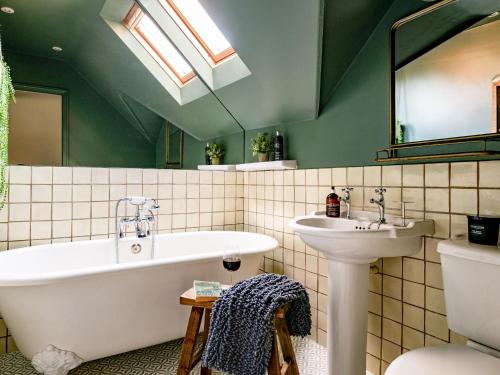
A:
215,58
131,22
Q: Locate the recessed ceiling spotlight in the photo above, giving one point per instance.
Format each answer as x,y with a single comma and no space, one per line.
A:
56,48
7,10
494,14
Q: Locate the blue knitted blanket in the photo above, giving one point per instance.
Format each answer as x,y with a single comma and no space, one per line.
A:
242,324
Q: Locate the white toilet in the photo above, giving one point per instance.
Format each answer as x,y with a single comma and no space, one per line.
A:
471,275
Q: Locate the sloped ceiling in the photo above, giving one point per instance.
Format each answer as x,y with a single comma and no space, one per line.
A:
280,41
439,25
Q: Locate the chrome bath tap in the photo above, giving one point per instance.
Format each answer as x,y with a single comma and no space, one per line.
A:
380,202
143,222
347,200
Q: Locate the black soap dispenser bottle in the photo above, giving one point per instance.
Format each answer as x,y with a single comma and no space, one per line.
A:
208,161
333,204
278,146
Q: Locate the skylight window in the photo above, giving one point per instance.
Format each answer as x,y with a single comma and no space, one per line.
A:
160,48
199,27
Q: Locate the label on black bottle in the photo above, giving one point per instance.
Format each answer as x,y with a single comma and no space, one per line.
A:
333,210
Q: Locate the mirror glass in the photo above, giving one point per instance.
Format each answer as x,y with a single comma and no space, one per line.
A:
446,79
84,98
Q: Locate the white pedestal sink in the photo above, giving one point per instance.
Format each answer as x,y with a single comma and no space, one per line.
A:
351,245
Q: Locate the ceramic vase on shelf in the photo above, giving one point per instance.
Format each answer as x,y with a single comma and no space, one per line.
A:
263,156
215,161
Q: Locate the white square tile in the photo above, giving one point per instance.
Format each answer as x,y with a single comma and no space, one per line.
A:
164,176
41,230
180,177
464,201
464,174
149,176
100,176
300,177
179,191
489,173
325,177
61,229
82,175
81,210
165,191
489,202
392,175
437,200
441,224
62,175
61,211
41,193
355,176
372,176
99,226
279,177
413,175
100,209
81,228
150,191
134,176
206,177
178,221
436,175
19,174
117,176
312,177
19,193
230,178
117,192
288,177
41,211
19,212
193,191
41,175
19,231
100,193
81,193
414,195
62,193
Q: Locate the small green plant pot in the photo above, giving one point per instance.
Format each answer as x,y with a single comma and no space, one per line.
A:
215,161
263,156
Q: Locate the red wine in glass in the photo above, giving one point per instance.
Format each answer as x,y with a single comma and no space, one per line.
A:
231,264
231,259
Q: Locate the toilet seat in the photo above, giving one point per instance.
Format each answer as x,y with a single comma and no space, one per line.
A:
445,360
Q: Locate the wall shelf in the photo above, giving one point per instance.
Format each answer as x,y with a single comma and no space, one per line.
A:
279,165
222,167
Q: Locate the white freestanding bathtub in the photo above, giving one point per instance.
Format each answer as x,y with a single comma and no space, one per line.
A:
76,298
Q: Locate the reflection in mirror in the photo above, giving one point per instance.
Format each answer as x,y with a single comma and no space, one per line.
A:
449,90
94,101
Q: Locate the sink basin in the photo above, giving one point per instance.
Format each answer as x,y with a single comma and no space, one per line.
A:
359,240
350,246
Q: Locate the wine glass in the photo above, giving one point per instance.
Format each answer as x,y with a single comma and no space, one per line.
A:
231,259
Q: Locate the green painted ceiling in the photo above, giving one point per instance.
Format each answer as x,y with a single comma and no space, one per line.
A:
296,50
439,25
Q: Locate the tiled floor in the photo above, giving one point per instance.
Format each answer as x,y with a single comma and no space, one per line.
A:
160,360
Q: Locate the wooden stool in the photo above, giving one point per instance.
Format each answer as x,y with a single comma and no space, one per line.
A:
189,359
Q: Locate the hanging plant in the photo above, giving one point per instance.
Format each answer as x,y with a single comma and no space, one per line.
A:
6,93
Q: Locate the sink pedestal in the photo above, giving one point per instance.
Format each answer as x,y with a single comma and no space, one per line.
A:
347,317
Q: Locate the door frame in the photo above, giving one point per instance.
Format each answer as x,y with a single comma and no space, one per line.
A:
64,93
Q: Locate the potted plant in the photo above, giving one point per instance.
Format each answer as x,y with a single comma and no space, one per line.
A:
261,145
215,152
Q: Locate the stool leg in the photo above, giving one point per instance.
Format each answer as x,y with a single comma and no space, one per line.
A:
192,331
274,367
287,347
204,370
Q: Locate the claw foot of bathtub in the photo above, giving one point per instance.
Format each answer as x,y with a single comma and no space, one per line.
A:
55,361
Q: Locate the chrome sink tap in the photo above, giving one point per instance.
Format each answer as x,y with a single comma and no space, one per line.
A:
347,200
380,202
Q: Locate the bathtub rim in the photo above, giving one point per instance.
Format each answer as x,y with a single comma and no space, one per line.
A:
54,277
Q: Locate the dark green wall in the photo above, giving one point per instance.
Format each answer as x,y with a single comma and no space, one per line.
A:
98,135
354,123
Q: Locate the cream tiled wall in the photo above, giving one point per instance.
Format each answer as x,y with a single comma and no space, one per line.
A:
406,304
406,300
58,204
